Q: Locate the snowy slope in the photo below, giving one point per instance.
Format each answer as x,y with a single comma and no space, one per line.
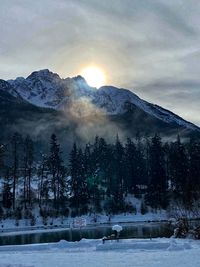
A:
114,100
46,89
6,87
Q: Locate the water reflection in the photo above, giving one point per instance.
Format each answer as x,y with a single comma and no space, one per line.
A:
146,230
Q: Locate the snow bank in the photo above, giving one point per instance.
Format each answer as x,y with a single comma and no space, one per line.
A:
14,265
97,245
8,225
89,253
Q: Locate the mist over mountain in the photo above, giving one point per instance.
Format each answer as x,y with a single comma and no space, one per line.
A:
43,103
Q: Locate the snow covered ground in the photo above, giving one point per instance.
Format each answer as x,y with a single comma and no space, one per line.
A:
92,253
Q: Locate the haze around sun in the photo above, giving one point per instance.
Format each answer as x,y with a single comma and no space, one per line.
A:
94,76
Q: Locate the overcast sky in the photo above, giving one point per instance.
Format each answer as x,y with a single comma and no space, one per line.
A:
149,46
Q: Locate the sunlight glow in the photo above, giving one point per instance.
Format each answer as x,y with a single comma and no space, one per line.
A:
94,76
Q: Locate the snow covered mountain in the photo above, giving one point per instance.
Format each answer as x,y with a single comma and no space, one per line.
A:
115,100
7,88
46,89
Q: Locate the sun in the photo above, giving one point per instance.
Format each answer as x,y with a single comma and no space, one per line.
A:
94,76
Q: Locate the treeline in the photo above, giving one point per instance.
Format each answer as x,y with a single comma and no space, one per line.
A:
99,176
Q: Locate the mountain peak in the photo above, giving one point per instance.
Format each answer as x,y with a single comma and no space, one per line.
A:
79,78
82,83
44,73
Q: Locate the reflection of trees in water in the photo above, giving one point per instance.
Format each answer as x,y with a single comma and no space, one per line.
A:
130,231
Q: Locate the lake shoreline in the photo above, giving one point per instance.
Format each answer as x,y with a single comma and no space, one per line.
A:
56,228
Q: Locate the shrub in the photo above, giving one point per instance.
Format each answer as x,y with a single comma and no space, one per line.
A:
197,232
182,228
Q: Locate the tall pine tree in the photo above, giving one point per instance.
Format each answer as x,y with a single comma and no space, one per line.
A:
156,195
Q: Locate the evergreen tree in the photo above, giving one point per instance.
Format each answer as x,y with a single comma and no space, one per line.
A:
82,178
78,178
194,168
7,197
156,195
94,180
16,142
119,174
130,166
141,165
28,159
43,183
56,169
178,164
2,155
135,166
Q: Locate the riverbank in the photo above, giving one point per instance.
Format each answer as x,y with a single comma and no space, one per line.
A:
94,220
